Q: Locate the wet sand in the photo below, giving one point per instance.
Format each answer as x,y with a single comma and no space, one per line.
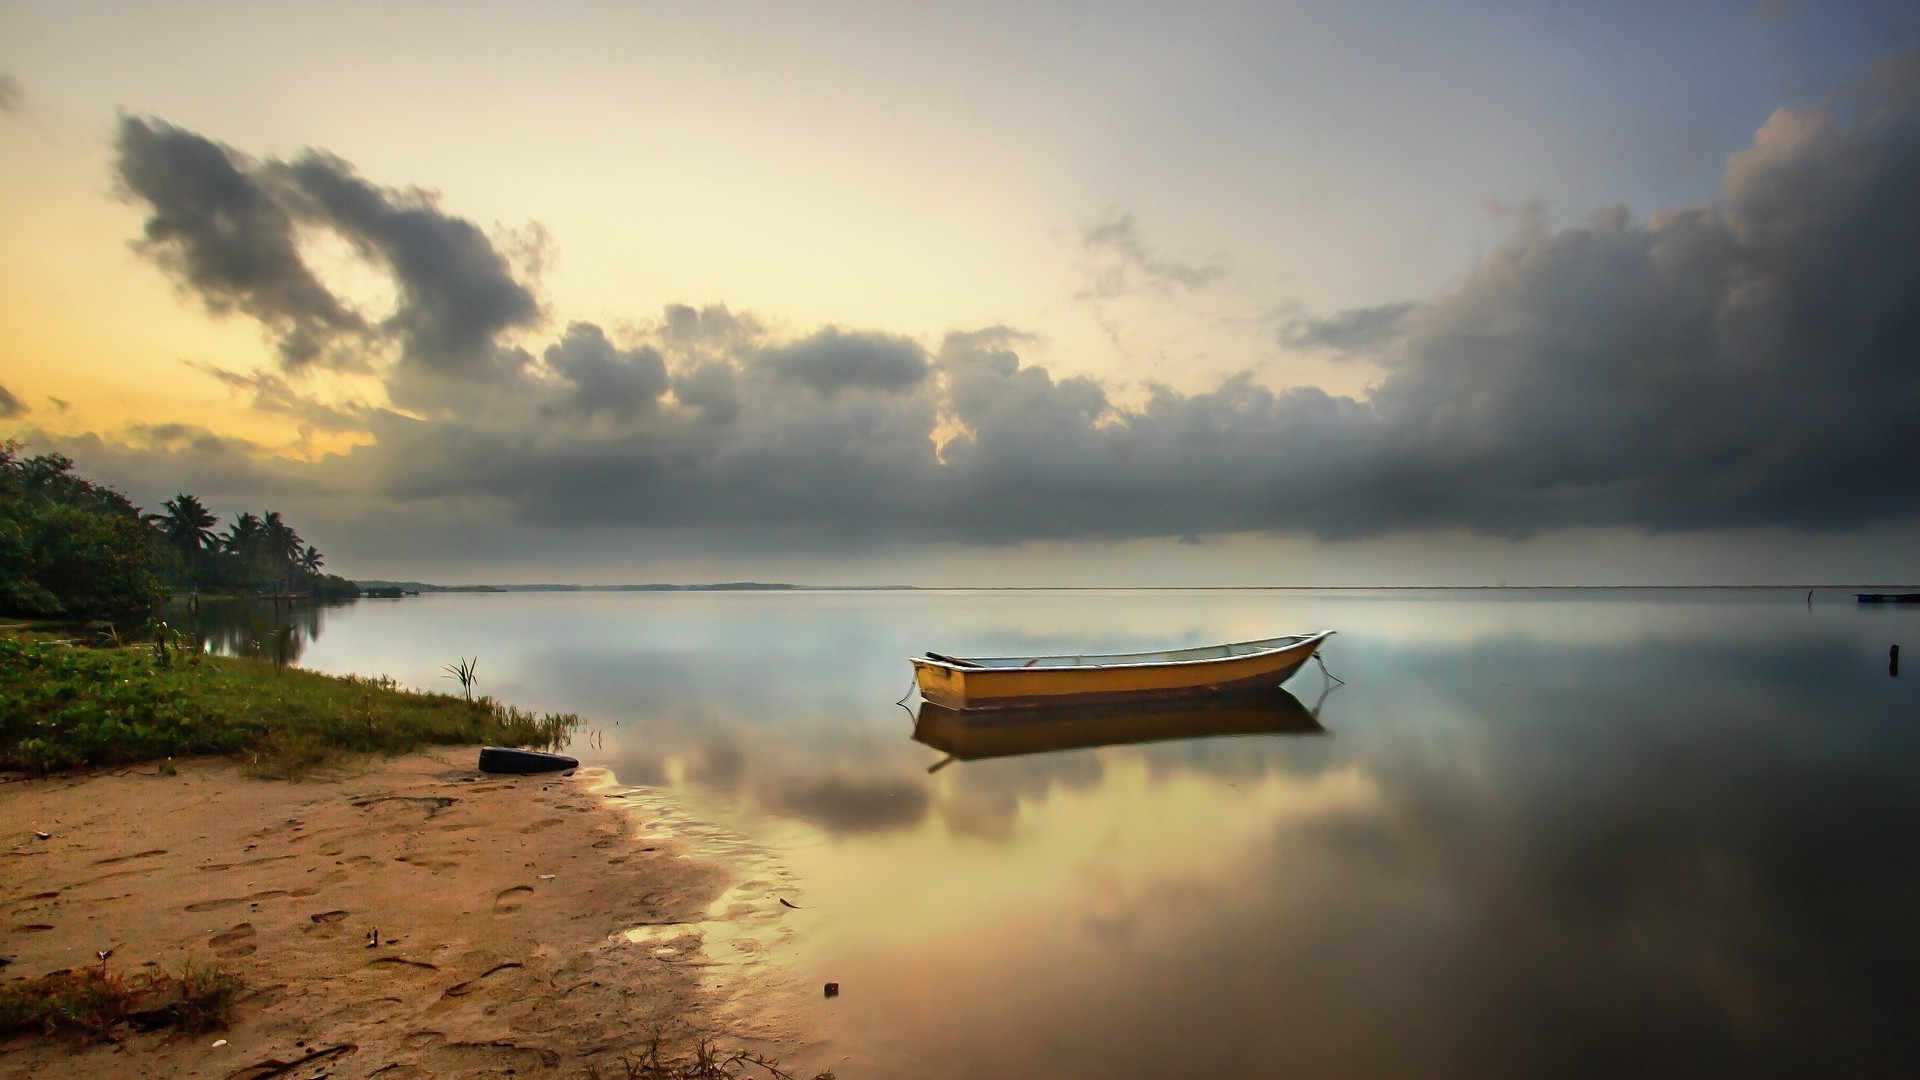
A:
503,907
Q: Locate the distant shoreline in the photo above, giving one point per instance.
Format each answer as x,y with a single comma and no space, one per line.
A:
755,586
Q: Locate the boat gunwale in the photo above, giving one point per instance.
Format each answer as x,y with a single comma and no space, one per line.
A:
1296,641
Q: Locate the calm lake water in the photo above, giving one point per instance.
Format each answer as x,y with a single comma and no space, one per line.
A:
1581,833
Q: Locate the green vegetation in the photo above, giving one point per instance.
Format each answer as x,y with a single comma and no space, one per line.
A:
75,550
256,554
70,548
64,706
92,1001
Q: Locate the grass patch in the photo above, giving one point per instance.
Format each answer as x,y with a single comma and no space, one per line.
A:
65,706
93,1001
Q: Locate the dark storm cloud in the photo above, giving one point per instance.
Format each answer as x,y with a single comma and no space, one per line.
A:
619,382
11,406
834,360
457,292
225,238
1751,362
227,228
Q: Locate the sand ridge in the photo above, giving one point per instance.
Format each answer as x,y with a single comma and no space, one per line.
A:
501,907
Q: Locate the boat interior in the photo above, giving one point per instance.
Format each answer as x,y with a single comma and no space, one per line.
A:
1165,656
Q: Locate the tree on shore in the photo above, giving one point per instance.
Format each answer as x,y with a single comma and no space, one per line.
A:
70,548
189,528
74,549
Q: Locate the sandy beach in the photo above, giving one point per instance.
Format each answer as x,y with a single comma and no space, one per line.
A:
501,907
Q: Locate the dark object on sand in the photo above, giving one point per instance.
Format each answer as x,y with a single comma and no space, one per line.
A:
833,989
503,759
1888,597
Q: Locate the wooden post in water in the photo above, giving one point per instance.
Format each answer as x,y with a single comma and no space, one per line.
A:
1893,662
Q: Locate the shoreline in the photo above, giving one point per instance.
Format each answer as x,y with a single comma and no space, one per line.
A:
503,908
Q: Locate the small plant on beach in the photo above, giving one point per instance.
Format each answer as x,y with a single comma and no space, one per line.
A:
707,1062
92,1001
462,673
283,642
168,643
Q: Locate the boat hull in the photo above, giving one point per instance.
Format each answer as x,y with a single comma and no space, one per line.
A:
967,688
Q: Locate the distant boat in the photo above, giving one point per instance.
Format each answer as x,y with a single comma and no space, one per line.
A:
1888,597
973,735
1023,682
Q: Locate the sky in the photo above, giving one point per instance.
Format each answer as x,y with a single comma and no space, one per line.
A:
1023,294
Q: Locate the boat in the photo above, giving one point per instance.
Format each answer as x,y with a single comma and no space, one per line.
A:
507,759
977,734
1887,598
1023,682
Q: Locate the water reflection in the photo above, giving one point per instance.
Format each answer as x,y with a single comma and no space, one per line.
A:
1567,835
247,627
972,736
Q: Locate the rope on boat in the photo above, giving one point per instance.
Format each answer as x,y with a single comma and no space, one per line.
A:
911,687
1323,670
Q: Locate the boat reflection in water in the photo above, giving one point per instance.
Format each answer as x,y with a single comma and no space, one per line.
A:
967,735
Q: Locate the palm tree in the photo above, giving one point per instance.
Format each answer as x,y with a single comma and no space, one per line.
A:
311,560
189,528
242,545
281,545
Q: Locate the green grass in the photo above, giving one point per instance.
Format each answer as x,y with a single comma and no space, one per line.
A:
65,706
92,1001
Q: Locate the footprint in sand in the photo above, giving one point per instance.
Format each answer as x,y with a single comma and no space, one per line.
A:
511,900
127,858
229,901
432,804
462,989
544,823
488,1058
244,862
393,963
233,943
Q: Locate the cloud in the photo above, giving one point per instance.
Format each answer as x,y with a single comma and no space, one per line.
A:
227,229
12,94
1356,330
457,293
1129,259
833,360
226,239
1750,362
273,393
605,379
11,406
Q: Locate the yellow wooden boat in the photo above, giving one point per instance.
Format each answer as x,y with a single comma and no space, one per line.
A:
1022,682
979,733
